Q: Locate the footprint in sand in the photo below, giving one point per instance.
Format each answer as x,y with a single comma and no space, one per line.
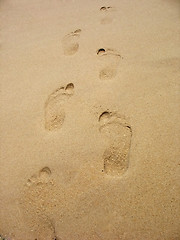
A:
118,134
43,176
106,14
110,60
38,201
70,42
54,110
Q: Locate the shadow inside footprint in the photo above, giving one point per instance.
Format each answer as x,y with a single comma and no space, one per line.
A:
110,60
70,42
118,134
54,110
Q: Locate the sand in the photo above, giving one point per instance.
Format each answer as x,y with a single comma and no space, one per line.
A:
90,120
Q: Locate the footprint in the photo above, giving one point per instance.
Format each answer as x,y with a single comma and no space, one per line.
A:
70,42
118,134
110,60
54,111
106,14
43,176
38,202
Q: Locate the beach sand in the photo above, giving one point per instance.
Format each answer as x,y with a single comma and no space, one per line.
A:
90,120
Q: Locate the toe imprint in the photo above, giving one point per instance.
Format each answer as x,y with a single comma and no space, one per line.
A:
44,174
118,133
70,42
54,110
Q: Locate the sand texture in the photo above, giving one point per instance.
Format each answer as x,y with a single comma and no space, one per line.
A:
90,120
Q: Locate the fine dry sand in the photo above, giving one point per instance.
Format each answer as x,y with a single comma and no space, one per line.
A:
90,120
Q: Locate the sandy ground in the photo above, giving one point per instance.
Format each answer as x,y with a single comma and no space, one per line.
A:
90,120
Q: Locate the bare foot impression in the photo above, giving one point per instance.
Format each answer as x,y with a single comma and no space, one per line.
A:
106,14
70,42
38,201
110,60
43,176
118,133
54,110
